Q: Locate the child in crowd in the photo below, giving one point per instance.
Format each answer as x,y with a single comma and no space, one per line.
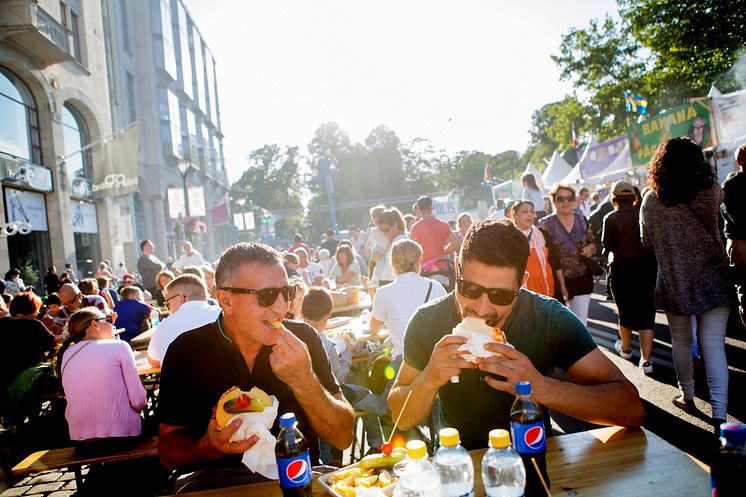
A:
132,313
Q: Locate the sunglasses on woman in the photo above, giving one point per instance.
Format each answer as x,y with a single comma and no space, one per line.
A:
266,296
108,318
498,296
564,198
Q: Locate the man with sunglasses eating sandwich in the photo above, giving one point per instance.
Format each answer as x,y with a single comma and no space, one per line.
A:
245,348
475,397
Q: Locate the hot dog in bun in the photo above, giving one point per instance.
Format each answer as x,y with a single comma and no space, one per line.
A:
235,401
478,333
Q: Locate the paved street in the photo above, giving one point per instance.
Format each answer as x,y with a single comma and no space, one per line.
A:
688,432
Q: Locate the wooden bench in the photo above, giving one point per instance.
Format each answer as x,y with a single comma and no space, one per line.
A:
69,457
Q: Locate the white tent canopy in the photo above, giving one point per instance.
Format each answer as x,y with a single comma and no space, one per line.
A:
557,170
616,170
530,169
573,177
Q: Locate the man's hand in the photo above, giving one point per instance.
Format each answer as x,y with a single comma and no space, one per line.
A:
219,439
514,366
446,361
290,360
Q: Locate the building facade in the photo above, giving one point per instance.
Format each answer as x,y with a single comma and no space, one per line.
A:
54,100
162,74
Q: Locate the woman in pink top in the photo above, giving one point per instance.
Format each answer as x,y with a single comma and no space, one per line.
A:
99,376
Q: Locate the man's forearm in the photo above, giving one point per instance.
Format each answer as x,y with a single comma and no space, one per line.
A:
420,403
178,449
613,403
332,419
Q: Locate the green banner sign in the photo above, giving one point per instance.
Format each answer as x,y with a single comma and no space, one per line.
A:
692,120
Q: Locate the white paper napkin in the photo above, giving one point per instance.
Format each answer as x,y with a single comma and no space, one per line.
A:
260,458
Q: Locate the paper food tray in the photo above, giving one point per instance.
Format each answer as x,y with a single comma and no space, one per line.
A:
324,480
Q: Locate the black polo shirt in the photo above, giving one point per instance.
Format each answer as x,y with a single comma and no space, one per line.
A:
200,365
538,326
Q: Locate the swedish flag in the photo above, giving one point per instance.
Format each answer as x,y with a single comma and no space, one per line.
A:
636,103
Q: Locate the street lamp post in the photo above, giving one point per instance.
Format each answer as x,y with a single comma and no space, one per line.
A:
184,166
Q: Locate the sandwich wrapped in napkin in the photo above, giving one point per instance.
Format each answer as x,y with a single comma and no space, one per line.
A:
257,411
478,334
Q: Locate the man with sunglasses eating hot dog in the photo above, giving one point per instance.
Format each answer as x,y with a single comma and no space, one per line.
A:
475,397
245,348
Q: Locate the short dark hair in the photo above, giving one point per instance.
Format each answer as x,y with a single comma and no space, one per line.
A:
244,253
330,232
53,299
143,243
102,282
424,203
347,250
496,243
678,171
130,291
298,238
560,186
317,304
26,304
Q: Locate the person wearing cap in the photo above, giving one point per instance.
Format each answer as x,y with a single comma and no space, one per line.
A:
434,235
734,213
633,272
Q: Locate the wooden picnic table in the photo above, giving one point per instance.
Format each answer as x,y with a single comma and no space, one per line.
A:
608,462
365,302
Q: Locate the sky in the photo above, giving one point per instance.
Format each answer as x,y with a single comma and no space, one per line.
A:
465,74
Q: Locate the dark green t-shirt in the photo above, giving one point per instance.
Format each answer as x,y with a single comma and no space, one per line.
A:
539,327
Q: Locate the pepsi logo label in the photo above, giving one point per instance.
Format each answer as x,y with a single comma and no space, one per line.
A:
534,437
296,470
529,438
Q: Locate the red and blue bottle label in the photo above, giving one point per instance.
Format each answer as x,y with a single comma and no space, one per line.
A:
295,471
528,438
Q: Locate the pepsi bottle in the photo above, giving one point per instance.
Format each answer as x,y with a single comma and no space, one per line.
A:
529,437
293,459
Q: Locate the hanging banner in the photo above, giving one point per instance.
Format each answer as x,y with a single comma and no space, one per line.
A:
691,120
115,170
220,214
600,156
26,207
176,205
84,217
446,208
730,116
238,221
196,201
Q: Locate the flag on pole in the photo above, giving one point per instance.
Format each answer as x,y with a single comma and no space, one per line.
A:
487,173
115,165
636,103
574,136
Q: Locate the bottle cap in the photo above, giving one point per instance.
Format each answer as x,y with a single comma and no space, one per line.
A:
449,437
287,420
499,439
416,449
734,434
523,388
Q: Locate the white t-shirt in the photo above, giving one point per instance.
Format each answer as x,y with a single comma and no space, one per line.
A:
311,272
383,270
396,302
190,315
189,260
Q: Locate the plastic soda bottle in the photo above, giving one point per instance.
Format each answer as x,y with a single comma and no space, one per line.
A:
730,462
417,477
529,437
293,459
503,474
454,465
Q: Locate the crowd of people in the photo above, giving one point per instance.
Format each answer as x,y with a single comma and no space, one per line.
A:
528,269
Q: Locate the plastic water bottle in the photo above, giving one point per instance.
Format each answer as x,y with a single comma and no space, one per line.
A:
417,477
503,474
454,466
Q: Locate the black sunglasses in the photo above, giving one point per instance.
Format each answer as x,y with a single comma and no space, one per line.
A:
108,318
498,296
564,198
266,296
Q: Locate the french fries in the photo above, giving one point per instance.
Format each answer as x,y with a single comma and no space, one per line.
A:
346,481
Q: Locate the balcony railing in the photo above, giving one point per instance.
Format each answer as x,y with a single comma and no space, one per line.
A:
26,24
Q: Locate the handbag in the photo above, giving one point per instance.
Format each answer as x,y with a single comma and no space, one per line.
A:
732,272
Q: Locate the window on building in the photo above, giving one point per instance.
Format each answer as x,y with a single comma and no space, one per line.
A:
19,122
131,97
125,27
75,137
70,17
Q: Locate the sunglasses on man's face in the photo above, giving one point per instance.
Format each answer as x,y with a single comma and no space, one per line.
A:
108,318
167,301
564,198
266,296
498,296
